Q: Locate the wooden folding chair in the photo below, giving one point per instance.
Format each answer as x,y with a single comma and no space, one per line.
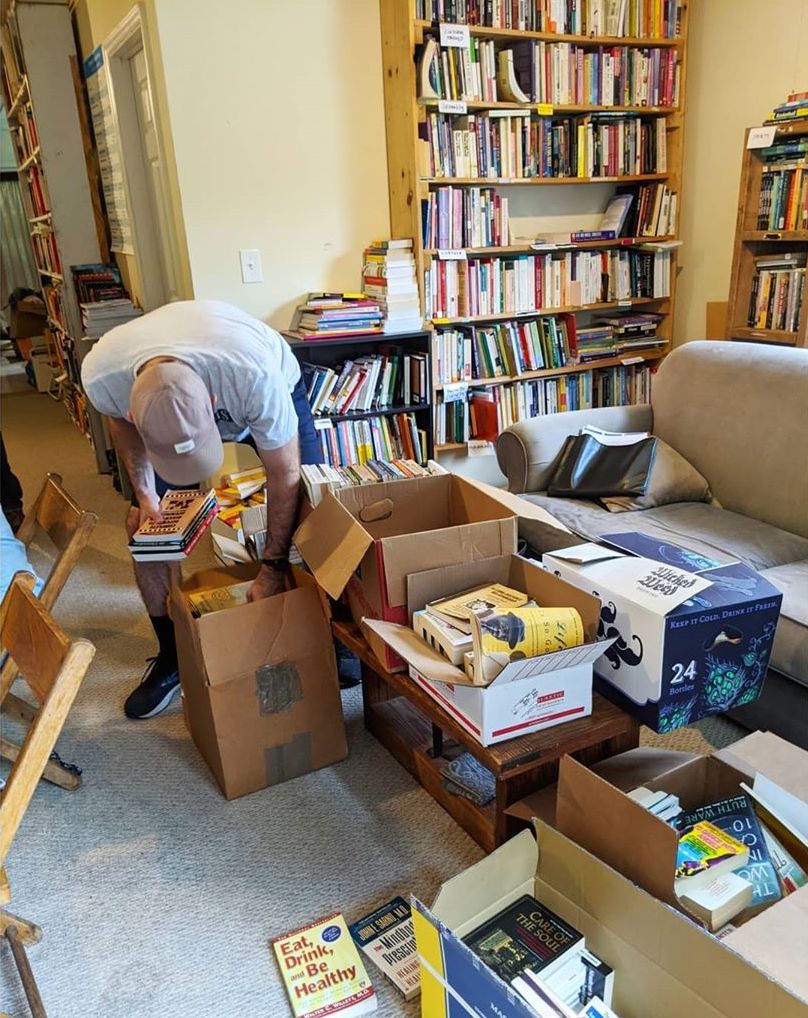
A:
53,667
68,527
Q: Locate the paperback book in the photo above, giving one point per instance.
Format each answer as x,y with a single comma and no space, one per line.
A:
387,937
705,852
490,598
524,631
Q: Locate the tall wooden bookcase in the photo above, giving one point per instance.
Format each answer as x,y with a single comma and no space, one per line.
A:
753,243
409,186
40,81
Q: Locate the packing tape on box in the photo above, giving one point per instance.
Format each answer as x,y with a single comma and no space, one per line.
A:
278,687
289,760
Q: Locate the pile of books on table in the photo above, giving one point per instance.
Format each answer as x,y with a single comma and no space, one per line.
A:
186,516
335,315
388,276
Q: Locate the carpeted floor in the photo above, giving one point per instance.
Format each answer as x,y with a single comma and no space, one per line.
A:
156,896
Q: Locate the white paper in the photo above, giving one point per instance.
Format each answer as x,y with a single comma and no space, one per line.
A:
452,106
761,137
479,447
454,35
615,438
452,254
654,585
581,553
455,392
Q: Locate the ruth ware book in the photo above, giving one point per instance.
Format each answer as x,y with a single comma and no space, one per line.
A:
322,971
387,937
736,817
525,936
186,516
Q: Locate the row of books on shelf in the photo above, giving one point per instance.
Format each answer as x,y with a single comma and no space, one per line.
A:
388,277
783,202
13,64
25,133
557,73
658,19
372,382
506,349
488,410
778,290
391,437
37,189
521,284
794,107
318,478
53,301
46,252
509,144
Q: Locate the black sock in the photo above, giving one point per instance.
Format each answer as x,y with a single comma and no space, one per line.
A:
164,630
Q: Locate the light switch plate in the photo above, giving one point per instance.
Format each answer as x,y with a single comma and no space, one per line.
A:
251,271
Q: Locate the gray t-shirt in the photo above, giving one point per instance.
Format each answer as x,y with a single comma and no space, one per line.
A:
245,364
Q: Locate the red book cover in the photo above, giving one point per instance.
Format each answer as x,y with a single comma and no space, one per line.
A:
485,419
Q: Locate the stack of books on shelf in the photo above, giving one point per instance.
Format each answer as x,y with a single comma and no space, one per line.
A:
103,299
594,342
391,437
783,201
372,382
795,107
46,252
461,217
317,478
98,318
186,517
510,144
653,213
633,333
633,18
388,277
778,290
336,315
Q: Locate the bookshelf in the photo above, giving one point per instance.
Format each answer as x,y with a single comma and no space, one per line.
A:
333,353
40,76
432,137
769,227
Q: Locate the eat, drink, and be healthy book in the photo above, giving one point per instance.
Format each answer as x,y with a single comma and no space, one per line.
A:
388,939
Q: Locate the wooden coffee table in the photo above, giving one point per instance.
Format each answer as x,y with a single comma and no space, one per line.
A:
423,737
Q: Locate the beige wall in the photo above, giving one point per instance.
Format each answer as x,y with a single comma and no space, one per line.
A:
743,58
278,119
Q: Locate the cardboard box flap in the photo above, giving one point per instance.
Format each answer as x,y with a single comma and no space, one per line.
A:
416,652
768,754
332,543
520,506
605,822
569,658
476,894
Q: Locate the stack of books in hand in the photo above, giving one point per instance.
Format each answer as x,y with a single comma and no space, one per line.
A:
186,516
388,276
334,315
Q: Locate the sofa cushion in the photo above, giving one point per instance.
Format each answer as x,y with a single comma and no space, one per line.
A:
790,651
706,529
670,479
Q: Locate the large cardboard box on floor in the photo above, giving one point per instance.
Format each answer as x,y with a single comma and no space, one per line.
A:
602,819
694,636
366,540
529,694
259,683
665,966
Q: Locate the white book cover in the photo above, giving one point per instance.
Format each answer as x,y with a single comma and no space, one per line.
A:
387,937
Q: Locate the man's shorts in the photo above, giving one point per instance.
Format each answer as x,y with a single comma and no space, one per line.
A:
310,449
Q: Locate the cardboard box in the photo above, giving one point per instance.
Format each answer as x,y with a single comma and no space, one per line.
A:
605,821
529,694
366,540
693,637
259,683
665,966
27,317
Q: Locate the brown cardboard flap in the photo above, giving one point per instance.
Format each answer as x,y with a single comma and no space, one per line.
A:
521,506
417,652
616,829
779,760
332,543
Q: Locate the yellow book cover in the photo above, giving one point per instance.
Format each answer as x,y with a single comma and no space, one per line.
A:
522,632
205,602
323,972
493,598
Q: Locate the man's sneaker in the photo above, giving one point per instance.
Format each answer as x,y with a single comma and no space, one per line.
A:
155,692
347,666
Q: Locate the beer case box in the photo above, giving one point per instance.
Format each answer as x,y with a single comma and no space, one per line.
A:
693,636
259,682
665,966
529,694
602,819
366,540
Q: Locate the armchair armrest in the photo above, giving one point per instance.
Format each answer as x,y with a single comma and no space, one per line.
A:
526,451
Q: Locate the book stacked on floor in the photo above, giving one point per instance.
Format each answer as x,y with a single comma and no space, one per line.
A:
778,289
335,315
186,516
794,108
388,277
318,478
389,437
372,382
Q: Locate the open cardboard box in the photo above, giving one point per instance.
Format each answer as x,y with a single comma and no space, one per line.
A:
528,694
259,682
366,540
665,966
605,821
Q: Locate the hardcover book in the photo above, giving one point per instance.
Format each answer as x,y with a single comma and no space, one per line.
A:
388,939
180,511
525,936
322,971
736,817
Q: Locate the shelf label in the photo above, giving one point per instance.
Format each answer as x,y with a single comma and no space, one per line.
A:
624,303
631,360
761,137
455,392
479,447
452,254
322,423
545,109
440,321
455,35
452,106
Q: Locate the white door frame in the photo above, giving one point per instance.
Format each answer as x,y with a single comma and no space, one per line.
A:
157,281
